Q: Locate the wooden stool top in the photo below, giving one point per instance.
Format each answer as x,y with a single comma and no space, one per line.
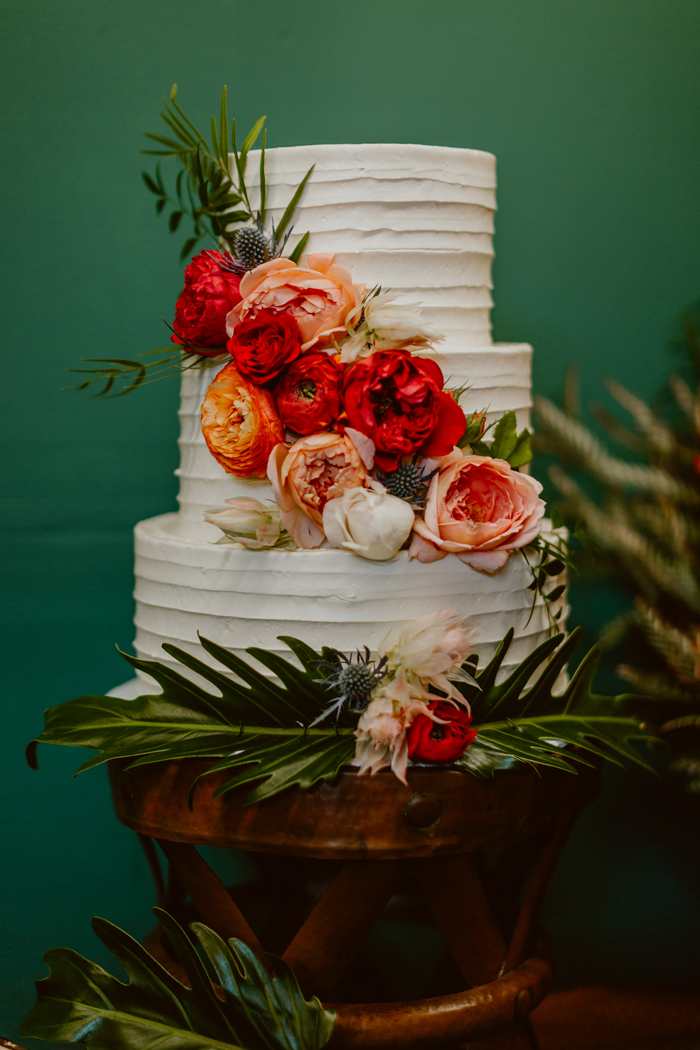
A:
441,812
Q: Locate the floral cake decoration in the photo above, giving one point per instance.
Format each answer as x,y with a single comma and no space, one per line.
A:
328,389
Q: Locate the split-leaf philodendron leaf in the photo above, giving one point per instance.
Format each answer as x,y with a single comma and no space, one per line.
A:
260,728
79,1002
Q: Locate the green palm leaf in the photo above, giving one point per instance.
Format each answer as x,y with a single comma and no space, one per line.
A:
259,728
81,1002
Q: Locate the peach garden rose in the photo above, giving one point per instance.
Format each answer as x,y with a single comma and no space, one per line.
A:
318,296
305,476
479,509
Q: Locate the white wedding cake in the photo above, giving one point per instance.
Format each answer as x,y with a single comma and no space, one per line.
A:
417,220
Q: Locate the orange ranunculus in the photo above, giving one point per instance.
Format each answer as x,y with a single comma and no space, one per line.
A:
307,475
240,424
319,296
479,509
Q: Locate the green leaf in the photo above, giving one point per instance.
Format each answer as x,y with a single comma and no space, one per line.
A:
505,436
556,593
296,255
174,220
480,448
522,453
289,210
79,1002
150,184
249,140
259,728
263,188
556,517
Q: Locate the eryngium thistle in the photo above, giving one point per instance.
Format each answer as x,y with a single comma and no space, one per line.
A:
251,247
407,482
353,681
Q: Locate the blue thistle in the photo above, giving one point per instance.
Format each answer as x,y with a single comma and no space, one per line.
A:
407,482
353,679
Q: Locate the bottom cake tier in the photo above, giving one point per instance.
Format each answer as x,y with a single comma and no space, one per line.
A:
241,598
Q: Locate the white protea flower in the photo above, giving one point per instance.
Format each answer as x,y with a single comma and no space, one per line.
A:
431,651
249,523
382,728
389,323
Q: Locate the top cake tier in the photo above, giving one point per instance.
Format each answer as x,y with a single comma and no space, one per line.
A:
418,219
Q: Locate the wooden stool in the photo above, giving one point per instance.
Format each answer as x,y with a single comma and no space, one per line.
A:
436,830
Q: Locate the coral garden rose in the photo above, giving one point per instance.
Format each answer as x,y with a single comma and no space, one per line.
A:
209,295
397,400
307,394
319,296
479,509
440,741
306,475
240,423
263,345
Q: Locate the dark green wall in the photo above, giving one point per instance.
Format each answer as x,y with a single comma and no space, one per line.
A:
592,109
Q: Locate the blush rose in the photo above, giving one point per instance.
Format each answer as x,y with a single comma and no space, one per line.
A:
319,296
209,295
479,509
440,741
397,400
240,424
305,476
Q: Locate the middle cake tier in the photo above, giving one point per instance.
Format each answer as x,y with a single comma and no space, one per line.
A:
240,598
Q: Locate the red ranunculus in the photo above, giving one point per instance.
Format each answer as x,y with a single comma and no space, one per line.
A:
307,394
397,400
442,741
263,346
210,293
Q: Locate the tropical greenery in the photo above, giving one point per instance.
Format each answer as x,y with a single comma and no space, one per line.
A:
79,1002
638,495
260,729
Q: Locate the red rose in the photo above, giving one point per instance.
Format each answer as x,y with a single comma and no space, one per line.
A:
210,293
262,346
443,741
307,394
397,400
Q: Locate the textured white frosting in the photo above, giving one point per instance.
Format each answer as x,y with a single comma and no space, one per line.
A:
241,598
418,219
415,218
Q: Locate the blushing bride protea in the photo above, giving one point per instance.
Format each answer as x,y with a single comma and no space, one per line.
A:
388,323
431,651
249,523
424,652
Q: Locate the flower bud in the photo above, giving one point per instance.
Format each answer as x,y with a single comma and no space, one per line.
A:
249,523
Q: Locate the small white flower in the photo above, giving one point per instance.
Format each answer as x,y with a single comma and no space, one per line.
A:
249,523
389,323
368,522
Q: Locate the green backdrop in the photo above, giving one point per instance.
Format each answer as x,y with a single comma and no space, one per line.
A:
592,109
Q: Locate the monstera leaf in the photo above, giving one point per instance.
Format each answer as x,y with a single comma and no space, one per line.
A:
79,1002
262,730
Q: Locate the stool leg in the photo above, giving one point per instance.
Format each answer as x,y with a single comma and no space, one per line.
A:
455,895
210,897
336,928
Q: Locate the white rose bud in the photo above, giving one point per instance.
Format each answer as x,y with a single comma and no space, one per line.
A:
250,523
368,522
